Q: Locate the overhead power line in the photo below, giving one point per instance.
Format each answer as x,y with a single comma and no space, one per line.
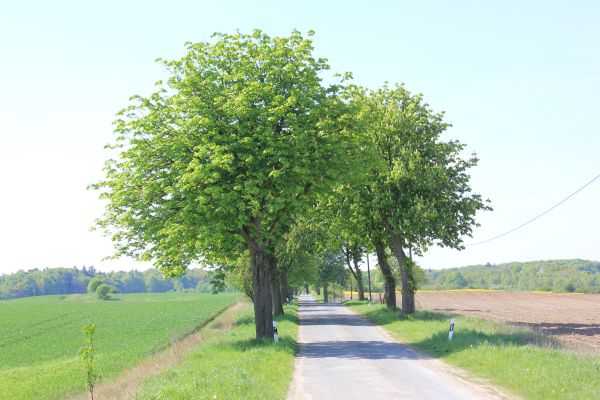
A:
541,215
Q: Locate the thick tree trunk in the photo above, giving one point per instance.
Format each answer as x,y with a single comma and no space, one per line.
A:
261,285
325,293
306,289
263,314
356,273
275,289
408,285
286,293
388,275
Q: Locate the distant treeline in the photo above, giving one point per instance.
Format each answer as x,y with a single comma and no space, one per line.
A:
553,275
39,282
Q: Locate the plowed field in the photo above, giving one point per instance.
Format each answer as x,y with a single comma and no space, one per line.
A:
572,318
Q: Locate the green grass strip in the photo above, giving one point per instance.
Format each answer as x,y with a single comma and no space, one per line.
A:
514,358
232,365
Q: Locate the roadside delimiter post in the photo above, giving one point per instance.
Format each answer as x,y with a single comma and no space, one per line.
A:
451,332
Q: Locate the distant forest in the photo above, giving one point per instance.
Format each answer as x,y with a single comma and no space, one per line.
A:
581,276
39,282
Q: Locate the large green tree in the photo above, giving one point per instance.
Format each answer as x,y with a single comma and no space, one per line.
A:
420,188
224,156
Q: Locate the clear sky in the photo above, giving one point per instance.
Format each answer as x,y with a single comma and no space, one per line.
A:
519,81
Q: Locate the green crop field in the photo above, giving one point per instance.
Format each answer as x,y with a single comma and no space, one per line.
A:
40,336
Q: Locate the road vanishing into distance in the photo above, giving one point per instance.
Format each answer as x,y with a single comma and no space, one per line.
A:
341,355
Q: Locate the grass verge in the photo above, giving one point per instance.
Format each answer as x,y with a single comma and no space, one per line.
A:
514,358
232,365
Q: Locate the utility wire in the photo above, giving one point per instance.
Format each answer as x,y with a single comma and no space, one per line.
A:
542,214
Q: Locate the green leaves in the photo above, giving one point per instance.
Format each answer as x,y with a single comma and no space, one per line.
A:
87,354
243,135
423,192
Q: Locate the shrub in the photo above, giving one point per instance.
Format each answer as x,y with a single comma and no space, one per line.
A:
569,287
93,284
103,291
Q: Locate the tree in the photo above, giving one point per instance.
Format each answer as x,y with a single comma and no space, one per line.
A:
134,282
299,254
93,284
103,291
224,157
155,283
343,215
422,193
239,276
331,270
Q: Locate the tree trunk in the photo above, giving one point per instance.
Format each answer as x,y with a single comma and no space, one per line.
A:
286,293
275,289
306,288
318,289
263,314
325,293
357,274
408,284
388,275
261,282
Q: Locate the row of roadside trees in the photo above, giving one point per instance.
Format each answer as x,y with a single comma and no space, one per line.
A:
246,160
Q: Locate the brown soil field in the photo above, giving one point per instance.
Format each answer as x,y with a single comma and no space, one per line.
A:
574,319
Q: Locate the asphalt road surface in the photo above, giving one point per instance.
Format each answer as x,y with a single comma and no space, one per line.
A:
341,355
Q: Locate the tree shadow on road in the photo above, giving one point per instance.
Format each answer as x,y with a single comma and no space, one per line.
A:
365,350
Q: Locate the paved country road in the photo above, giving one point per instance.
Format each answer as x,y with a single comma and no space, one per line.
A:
341,355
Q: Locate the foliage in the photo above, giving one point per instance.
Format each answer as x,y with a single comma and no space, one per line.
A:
92,286
423,190
239,276
238,139
299,252
37,282
87,355
552,275
222,158
103,291
331,270
417,191
40,336
331,267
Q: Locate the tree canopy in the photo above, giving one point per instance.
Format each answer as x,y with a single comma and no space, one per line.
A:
225,155
245,142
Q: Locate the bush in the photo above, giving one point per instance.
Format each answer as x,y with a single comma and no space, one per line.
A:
103,291
569,287
93,284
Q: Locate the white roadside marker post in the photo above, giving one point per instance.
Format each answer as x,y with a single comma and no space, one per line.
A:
451,332
275,335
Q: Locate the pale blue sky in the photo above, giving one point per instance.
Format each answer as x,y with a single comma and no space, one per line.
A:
518,80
